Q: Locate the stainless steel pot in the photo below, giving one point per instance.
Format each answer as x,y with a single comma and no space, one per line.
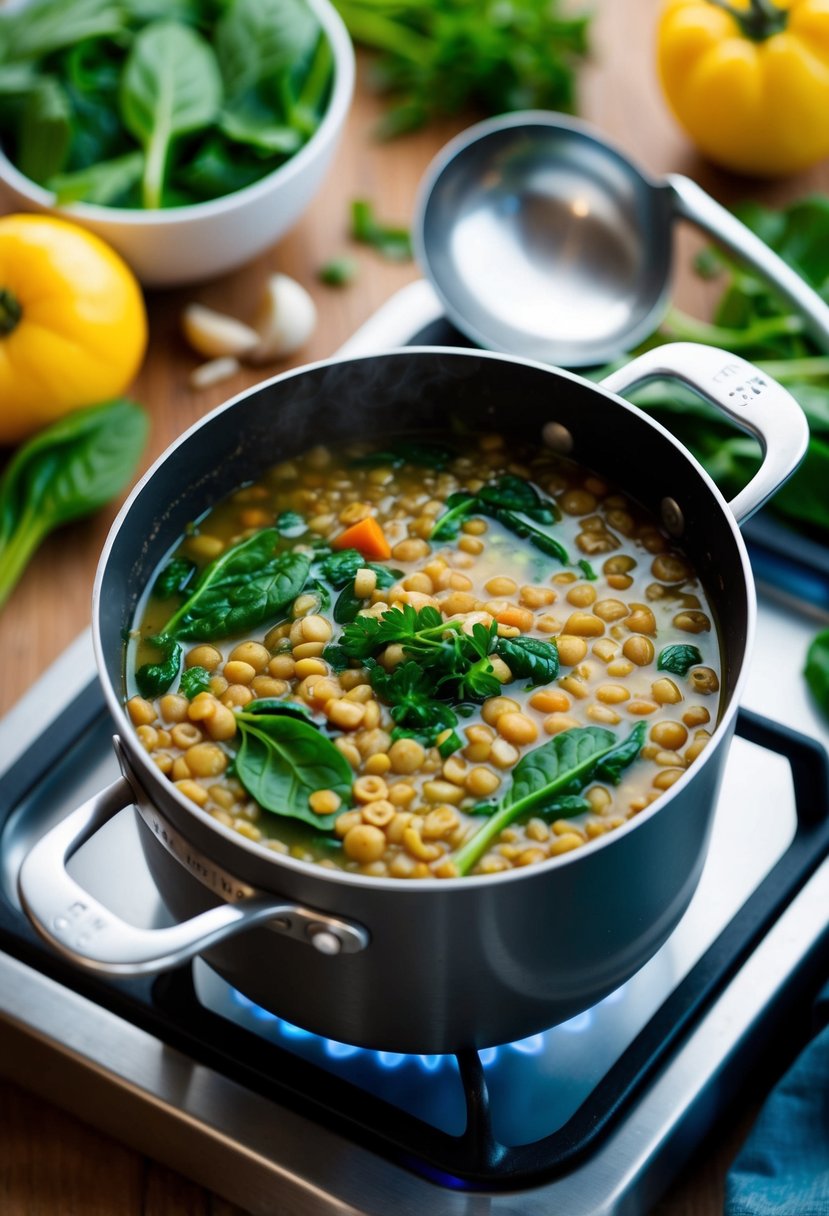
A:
438,964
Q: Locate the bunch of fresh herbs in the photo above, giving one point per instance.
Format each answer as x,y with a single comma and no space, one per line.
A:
441,57
139,103
446,668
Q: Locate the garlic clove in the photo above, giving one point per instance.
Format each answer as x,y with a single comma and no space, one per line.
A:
285,319
214,371
216,335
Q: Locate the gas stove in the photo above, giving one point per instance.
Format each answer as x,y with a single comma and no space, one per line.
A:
590,1118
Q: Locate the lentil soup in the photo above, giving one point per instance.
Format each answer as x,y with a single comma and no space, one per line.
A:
427,660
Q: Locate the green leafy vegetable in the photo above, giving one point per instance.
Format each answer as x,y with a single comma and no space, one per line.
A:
678,659
545,776
155,678
170,87
409,692
126,103
348,603
66,471
339,272
45,131
529,658
408,451
442,57
282,760
291,524
193,681
512,501
587,570
244,586
393,243
174,578
817,669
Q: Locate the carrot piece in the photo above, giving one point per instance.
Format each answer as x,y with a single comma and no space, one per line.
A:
367,537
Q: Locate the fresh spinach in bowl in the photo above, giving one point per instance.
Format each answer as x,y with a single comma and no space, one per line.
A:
144,104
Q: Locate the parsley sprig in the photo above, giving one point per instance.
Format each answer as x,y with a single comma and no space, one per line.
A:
446,666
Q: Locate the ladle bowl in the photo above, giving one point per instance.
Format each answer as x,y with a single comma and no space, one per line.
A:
543,240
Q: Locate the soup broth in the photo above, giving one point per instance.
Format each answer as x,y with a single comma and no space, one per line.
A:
428,659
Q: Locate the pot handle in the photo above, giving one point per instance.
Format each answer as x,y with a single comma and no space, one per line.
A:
749,397
693,204
90,935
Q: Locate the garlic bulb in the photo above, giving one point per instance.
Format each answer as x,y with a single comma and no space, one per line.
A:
216,335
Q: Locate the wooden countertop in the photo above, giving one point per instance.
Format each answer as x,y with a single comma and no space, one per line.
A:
50,1165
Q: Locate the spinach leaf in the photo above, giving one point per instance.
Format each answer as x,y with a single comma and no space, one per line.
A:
259,126
45,131
408,451
193,681
529,658
512,501
817,669
46,26
244,586
103,183
340,568
66,471
282,761
219,167
615,762
155,678
335,657
276,705
260,40
678,659
170,86
348,603
587,570
174,578
291,524
559,768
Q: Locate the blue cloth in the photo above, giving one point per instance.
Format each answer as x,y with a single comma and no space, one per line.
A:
783,1168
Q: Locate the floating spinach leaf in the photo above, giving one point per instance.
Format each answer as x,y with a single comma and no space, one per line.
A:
340,568
348,603
529,658
409,692
615,762
193,681
560,767
567,806
451,744
335,657
155,678
246,585
678,659
66,471
174,578
276,705
408,451
170,86
291,524
282,760
514,503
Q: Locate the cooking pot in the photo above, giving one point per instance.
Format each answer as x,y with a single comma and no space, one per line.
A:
437,964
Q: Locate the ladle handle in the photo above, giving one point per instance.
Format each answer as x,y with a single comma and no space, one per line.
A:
692,203
750,398
95,938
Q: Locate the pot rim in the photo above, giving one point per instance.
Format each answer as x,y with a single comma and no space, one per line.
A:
150,775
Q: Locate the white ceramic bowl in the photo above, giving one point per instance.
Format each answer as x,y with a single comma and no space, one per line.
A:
184,244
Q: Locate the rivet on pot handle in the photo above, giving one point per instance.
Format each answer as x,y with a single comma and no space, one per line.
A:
753,400
92,936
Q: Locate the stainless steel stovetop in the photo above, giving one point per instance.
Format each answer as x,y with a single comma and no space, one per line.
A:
280,1121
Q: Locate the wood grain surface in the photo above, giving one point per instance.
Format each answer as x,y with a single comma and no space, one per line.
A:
51,1165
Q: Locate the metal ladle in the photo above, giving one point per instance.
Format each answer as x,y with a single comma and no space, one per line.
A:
543,240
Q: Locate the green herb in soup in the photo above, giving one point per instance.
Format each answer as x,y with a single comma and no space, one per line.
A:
480,701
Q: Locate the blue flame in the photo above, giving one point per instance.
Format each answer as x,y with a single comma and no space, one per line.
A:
534,1044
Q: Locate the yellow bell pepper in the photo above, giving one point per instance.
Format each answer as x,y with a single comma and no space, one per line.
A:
73,329
749,80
